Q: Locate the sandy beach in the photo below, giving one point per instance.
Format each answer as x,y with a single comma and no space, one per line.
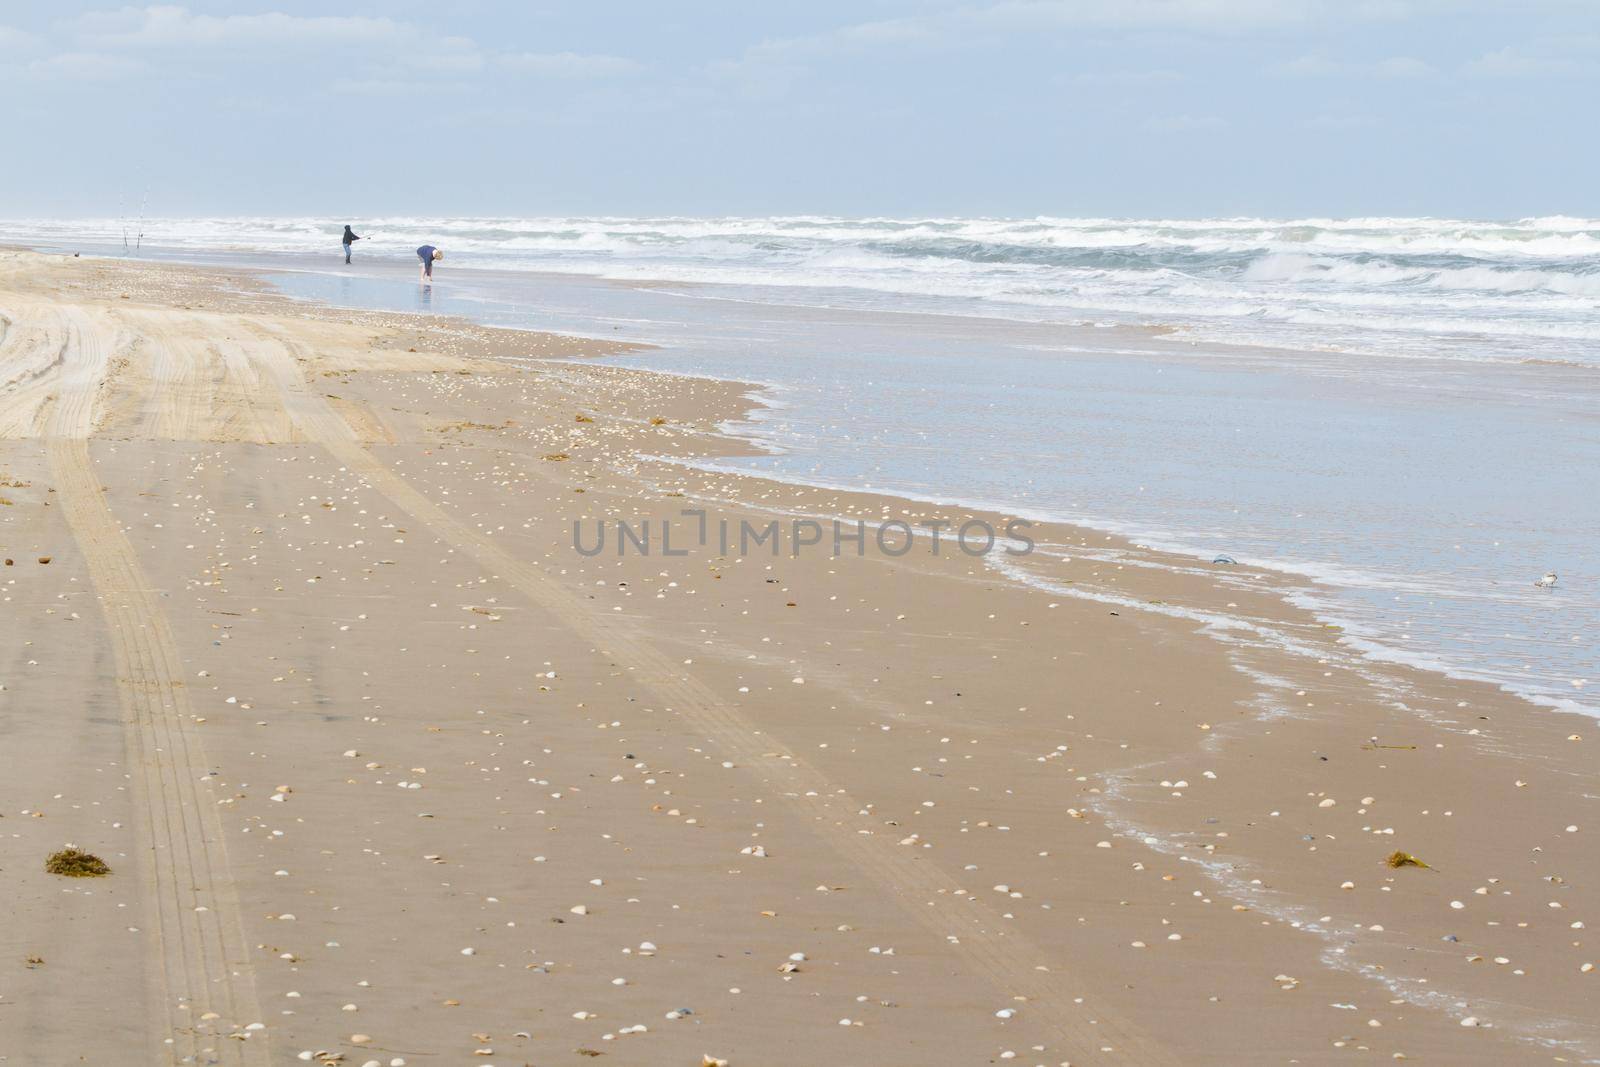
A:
296,636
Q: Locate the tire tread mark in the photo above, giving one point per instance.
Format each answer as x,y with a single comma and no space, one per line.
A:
1013,965
203,957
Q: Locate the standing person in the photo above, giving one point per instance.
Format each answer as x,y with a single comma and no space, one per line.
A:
349,239
428,253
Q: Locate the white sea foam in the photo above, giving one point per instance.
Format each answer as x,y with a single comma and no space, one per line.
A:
1515,291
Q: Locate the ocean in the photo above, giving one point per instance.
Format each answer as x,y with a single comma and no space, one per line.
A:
1500,291
1402,413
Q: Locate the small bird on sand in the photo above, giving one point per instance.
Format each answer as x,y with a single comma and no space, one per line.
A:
1547,582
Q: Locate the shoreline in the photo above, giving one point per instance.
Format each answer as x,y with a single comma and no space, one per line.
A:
1362,639
1129,757
1298,593
1345,584
762,395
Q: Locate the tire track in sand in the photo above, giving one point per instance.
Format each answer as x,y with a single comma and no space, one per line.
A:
205,973
32,354
1014,966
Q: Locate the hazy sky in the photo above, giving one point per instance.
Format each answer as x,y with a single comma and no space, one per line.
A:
896,107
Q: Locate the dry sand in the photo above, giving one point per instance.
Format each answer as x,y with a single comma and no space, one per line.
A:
386,770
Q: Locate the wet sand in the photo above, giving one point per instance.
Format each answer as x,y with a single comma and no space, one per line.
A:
387,769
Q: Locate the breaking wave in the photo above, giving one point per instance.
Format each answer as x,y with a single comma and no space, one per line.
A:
1517,291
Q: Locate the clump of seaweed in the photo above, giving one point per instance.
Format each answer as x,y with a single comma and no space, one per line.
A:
75,863
1404,859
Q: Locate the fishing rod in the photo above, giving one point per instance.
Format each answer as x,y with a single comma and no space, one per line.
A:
144,203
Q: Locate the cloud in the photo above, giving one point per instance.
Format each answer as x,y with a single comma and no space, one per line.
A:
167,26
1308,67
1233,16
1315,66
1340,122
375,55
1220,16
1184,123
22,40
567,64
1514,62
392,87
774,64
1129,77
389,57
1403,67
770,68
82,67
1224,15
773,67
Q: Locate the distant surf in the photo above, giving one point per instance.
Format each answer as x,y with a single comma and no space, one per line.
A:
1526,290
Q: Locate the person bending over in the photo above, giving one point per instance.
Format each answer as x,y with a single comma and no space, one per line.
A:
428,253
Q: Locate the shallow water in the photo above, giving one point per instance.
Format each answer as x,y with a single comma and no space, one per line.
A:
1419,498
